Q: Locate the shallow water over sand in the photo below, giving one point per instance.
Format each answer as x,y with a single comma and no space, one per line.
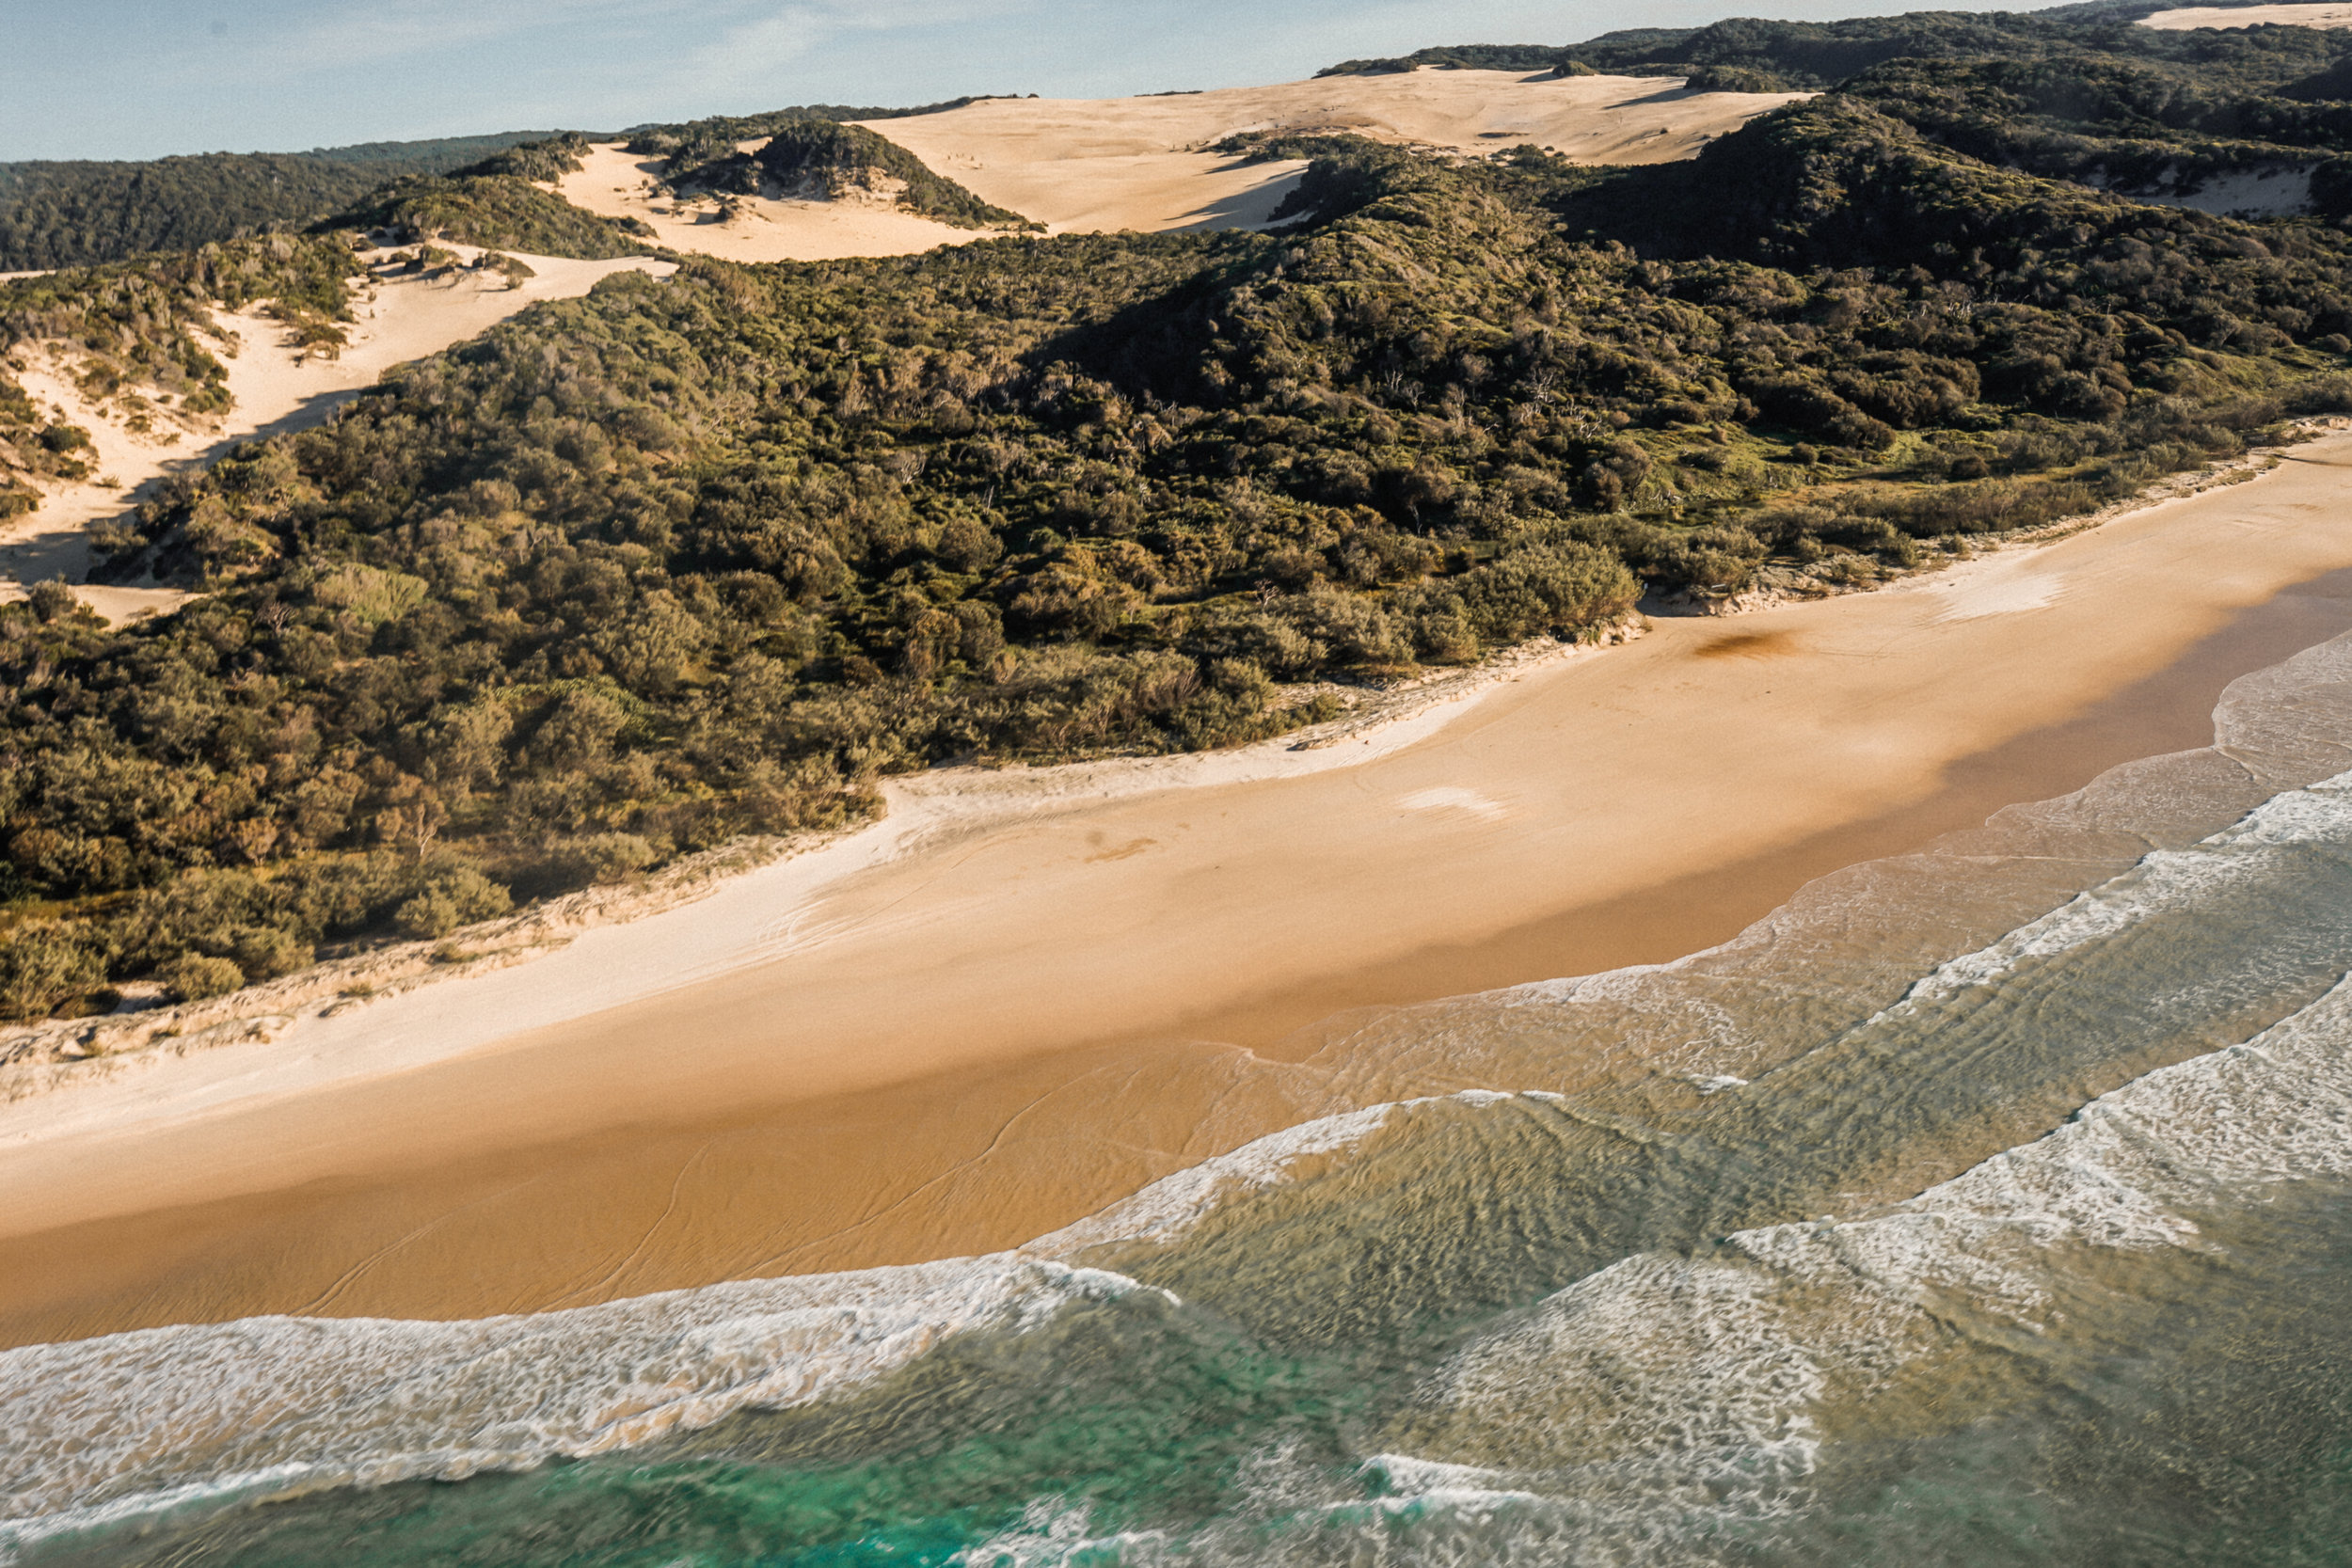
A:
1981,1206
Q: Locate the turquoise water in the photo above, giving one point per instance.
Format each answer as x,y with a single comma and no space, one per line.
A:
1985,1206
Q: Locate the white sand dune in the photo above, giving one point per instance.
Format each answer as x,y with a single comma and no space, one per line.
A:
1090,165
1093,166
2225,17
620,184
276,389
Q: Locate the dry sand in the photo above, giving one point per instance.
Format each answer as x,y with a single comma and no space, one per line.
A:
1142,163
275,389
1100,165
2225,17
1028,992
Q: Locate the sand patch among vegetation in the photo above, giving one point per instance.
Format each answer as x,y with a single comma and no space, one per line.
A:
2249,16
278,387
619,184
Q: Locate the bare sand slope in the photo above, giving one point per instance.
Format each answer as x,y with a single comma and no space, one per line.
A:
1028,993
275,389
620,184
1100,165
1142,163
2251,16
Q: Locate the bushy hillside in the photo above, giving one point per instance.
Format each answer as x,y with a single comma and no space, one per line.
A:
1748,54
636,572
78,215
499,202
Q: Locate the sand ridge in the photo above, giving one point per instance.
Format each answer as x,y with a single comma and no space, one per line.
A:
620,184
275,389
2225,17
1015,1000
1094,165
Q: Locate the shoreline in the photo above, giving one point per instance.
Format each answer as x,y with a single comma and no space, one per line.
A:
44,1056
1039,962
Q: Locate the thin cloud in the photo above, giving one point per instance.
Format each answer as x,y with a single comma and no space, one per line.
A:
761,47
377,34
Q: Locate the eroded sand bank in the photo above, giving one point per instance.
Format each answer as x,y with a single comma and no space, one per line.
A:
276,387
1027,993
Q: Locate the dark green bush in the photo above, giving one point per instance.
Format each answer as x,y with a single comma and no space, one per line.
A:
195,978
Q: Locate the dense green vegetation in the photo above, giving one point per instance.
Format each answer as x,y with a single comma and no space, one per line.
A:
78,215
498,202
818,159
1529,58
637,571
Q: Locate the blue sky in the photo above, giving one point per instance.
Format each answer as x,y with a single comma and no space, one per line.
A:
141,78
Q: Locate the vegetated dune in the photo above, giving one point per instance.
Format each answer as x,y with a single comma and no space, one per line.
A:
1103,165
276,387
617,184
2249,16
1143,163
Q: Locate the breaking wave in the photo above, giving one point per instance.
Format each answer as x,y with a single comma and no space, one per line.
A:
1982,1205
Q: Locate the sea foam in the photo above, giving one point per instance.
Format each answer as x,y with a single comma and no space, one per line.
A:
143,1422
1663,1376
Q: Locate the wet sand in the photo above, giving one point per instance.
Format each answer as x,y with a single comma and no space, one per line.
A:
998,1033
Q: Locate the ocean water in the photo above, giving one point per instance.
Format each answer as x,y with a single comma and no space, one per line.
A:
1989,1205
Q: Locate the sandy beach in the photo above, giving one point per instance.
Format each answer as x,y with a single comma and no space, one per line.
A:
1029,991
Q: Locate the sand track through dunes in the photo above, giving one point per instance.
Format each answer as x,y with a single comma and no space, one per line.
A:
1028,993
276,389
1093,165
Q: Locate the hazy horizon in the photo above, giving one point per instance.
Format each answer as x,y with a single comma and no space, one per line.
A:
138,79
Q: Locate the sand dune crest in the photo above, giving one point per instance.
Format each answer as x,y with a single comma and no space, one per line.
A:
1097,166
